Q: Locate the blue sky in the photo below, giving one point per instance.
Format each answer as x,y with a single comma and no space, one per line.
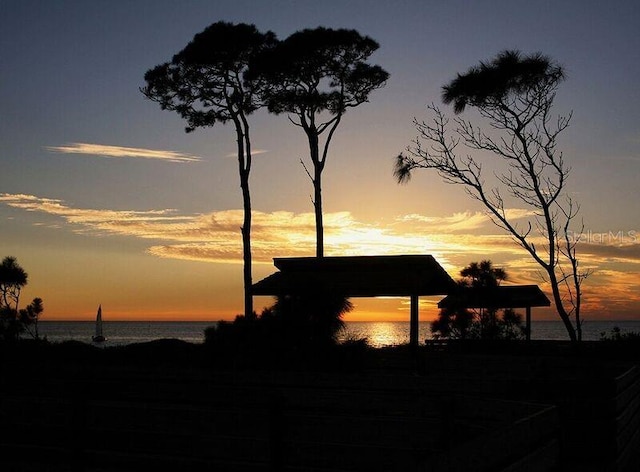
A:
71,74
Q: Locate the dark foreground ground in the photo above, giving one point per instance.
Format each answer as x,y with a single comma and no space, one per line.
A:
172,405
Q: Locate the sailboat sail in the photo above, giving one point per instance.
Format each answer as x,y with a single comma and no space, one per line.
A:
99,337
99,322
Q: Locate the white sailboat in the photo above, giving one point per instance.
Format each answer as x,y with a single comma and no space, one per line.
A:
98,337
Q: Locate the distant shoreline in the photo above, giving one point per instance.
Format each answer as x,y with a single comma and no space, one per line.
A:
378,334
216,320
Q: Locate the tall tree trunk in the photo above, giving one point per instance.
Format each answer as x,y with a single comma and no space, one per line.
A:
317,204
244,168
318,165
246,246
557,300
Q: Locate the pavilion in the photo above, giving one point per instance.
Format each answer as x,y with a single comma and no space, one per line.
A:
502,296
360,276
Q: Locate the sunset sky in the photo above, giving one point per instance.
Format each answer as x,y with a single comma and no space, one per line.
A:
105,199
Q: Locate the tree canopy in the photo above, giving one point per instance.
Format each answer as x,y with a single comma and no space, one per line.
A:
13,320
317,70
315,75
12,279
206,82
483,274
490,83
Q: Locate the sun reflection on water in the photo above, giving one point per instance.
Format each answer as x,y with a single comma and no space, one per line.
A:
383,333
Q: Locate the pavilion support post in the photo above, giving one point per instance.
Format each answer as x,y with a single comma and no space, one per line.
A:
527,327
414,321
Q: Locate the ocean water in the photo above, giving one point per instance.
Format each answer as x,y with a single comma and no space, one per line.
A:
382,334
379,334
124,332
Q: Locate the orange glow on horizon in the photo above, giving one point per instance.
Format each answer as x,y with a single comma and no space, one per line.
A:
196,273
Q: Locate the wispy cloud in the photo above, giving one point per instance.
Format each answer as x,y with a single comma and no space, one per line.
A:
464,221
103,150
215,237
613,292
254,152
621,253
460,222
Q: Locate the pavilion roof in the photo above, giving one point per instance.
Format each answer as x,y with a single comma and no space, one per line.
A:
357,276
503,296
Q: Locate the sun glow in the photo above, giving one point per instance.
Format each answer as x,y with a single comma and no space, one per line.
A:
183,239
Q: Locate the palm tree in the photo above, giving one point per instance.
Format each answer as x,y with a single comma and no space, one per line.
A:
312,319
457,321
483,274
31,315
12,279
454,321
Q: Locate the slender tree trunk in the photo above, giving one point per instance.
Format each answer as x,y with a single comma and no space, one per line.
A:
317,204
577,300
318,165
246,246
578,320
557,300
244,168
550,267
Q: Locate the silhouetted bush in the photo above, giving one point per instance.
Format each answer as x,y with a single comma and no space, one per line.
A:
159,351
10,326
616,334
296,332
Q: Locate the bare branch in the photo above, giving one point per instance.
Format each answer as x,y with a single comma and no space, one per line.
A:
304,166
516,103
